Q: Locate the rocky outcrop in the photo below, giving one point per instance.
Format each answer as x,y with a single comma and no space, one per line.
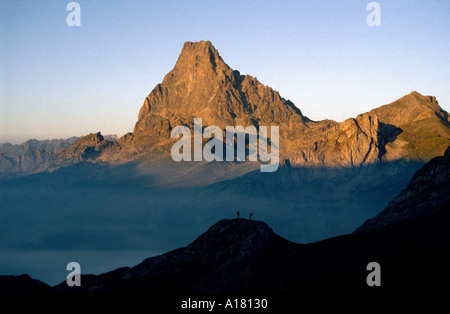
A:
351,143
87,148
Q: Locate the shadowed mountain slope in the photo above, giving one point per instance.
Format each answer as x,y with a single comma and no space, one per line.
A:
427,192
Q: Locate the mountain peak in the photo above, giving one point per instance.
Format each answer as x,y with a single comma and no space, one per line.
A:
415,97
93,138
198,47
199,54
243,235
202,85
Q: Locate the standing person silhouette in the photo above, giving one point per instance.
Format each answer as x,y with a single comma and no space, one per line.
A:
251,214
237,213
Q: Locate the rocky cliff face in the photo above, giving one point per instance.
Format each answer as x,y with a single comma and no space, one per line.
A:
30,162
427,192
202,85
351,143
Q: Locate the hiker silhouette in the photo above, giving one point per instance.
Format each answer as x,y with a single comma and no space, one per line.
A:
237,213
251,214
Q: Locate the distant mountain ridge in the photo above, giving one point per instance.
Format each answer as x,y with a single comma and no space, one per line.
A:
51,146
32,145
32,155
35,155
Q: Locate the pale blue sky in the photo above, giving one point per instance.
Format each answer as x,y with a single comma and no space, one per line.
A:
59,81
